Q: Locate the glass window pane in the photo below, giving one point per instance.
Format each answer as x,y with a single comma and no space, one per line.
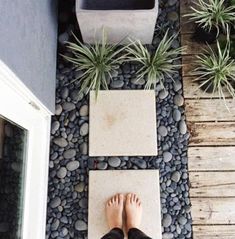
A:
13,146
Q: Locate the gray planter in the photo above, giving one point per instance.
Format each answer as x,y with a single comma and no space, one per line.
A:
120,19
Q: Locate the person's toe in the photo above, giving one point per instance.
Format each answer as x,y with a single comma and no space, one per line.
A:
120,198
128,198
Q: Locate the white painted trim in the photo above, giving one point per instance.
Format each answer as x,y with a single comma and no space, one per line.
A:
12,80
15,105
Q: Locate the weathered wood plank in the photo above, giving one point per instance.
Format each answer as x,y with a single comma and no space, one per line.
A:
210,110
208,134
211,158
188,65
213,210
186,26
191,90
214,232
192,47
212,184
185,6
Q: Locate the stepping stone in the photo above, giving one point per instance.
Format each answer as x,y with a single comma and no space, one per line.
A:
104,184
123,123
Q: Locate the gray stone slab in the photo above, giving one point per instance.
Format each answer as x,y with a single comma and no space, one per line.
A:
123,123
104,184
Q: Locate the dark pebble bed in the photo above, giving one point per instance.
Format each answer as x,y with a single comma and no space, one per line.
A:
69,161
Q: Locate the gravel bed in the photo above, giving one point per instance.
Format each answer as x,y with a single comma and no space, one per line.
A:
69,161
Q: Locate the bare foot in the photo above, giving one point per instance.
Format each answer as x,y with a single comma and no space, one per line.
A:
114,210
133,211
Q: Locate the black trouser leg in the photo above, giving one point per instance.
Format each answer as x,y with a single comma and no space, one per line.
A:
135,233
115,233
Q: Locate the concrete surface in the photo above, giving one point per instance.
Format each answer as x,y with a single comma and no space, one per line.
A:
104,184
134,19
28,44
123,123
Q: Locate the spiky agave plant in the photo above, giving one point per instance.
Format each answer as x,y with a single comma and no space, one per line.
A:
212,14
216,71
156,65
97,62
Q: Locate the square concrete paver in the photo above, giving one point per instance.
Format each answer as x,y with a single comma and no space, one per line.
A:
123,123
104,184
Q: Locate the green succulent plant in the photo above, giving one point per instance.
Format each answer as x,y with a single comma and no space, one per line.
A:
156,65
212,13
216,70
96,62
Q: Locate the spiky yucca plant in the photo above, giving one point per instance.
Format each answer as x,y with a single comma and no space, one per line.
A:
155,66
216,71
97,62
212,13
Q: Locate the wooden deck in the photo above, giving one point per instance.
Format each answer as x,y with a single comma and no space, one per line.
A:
211,151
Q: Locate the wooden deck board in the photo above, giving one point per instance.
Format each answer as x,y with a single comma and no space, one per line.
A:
212,134
213,211
211,152
212,184
214,232
210,110
192,90
211,158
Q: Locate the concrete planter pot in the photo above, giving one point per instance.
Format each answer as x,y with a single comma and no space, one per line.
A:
120,18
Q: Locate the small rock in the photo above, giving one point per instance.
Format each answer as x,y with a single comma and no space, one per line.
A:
173,16
117,84
68,106
58,109
62,172
64,93
175,177
162,130
83,148
141,163
167,156
163,94
84,129
55,224
83,203
114,162
167,220
64,232
167,235
182,127
70,153
182,220
102,165
177,85
73,165
178,100
55,126
137,82
176,115
172,2
80,225
64,219
61,142
80,187
83,110
55,202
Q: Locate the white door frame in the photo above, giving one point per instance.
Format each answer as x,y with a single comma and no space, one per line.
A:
20,105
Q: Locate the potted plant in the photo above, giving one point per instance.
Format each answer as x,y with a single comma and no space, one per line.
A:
96,62
211,16
154,66
216,71
121,18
